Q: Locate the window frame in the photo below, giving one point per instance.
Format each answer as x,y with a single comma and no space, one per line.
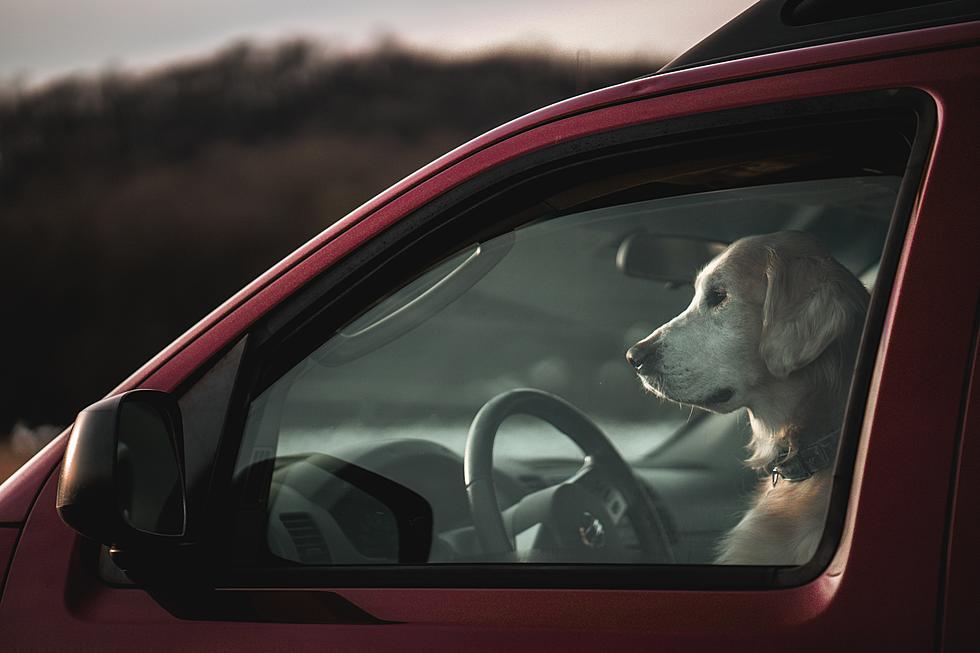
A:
420,238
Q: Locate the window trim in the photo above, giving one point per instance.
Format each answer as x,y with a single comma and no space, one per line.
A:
418,239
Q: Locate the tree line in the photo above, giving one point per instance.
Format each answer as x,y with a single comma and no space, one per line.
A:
131,205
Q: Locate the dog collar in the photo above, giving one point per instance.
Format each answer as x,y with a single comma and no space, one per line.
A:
800,464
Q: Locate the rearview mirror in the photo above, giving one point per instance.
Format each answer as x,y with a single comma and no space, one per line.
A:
122,480
672,259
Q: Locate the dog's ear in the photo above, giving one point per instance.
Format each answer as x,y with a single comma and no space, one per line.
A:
809,304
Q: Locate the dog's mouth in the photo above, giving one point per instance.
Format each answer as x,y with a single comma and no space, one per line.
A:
657,385
653,383
719,397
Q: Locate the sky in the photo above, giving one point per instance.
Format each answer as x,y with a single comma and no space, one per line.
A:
45,39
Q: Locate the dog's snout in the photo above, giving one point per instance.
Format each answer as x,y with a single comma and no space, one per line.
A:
643,355
633,356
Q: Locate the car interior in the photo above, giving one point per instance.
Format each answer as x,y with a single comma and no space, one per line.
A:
482,411
552,307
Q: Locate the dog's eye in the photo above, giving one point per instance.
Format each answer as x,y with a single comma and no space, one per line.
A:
714,297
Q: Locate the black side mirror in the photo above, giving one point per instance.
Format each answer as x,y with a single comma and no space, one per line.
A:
122,480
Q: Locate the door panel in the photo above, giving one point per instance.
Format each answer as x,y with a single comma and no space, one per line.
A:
961,628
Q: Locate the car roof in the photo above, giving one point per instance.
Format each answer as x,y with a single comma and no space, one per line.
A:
777,25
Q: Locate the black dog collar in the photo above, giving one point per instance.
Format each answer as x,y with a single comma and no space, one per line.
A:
800,464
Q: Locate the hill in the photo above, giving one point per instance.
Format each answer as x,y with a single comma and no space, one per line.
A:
130,206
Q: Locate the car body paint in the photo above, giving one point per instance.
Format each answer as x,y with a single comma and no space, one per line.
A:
885,583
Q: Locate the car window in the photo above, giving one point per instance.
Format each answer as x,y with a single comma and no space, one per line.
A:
634,380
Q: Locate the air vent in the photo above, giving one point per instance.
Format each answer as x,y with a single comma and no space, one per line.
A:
532,482
307,539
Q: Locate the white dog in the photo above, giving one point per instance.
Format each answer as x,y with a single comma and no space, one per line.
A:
774,327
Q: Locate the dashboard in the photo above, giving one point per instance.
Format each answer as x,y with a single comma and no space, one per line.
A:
316,515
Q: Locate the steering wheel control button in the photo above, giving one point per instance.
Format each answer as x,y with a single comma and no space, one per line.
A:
615,504
591,531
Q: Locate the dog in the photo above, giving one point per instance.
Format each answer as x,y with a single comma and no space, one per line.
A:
774,328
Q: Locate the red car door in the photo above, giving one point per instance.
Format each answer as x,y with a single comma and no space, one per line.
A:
878,576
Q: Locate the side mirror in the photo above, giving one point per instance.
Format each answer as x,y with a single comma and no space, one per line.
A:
122,479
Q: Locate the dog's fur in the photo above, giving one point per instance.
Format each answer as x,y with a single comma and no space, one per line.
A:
773,327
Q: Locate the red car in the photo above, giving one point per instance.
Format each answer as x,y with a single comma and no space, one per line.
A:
419,432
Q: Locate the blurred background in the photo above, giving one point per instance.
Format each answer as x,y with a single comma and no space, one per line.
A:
155,157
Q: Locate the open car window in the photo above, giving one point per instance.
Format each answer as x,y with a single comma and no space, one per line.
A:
521,401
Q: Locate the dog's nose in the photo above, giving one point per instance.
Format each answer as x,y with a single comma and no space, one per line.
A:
643,355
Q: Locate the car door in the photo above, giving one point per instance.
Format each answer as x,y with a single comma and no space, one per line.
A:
959,624
875,574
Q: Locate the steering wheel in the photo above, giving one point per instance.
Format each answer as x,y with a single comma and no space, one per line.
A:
581,513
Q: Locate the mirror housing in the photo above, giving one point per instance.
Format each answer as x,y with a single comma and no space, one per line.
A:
122,479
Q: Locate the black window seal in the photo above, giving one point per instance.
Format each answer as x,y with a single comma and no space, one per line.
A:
323,293
771,26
